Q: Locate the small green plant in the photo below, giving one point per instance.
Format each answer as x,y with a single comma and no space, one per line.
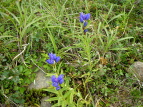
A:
66,96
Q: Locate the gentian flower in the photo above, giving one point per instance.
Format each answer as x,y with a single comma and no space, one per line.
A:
84,17
60,79
53,58
57,81
86,30
85,24
50,61
57,59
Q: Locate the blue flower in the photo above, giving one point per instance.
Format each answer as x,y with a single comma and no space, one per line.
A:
50,61
54,79
53,58
60,79
57,81
86,30
57,88
57,59
85,24
84,17
87,16
55,84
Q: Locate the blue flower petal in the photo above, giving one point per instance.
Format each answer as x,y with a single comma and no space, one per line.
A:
57,59
87,16
86,30
81,17
57,88
81,20
55,84
52,56
85,24
50,61
53,78
60,79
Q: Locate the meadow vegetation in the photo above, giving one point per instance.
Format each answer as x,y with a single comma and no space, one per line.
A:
94,64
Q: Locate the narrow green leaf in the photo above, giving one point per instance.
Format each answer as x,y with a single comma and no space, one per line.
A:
86,74
124,39
12,15
50,74
52,99
5,37
115,17
51,90
71,96
119,49
67,94
56,105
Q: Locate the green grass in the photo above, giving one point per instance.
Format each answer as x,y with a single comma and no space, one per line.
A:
94,64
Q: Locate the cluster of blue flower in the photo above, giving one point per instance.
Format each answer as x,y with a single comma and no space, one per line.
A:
83,17
57,81
52,58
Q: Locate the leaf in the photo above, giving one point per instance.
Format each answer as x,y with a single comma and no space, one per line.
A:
64,104
36,105
119,49
124,39
71,96
86,74
50,74
22,89
56,105
51,90
5,37
16,18
52,99
117,16
67,94
27,81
